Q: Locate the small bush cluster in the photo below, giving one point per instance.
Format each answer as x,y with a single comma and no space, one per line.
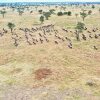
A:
69,13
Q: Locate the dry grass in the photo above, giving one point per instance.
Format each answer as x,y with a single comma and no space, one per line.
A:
70,67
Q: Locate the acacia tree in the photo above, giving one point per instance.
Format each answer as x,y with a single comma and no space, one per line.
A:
47,15
3,12
11,26
83,14
76,17
93,6
79,29
64,8
20,11
89,12
41,19
36,7
40,11
52,11
99,10
69,13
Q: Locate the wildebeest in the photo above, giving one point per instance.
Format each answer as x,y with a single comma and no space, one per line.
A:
84,37
70,45
95,48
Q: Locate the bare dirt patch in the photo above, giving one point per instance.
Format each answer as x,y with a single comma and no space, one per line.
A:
42,73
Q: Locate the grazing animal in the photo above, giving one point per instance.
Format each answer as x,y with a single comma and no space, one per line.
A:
41,40
40,35
85,28
62,39
5,31
95,48
65,30
29,42
47,40
56,42
84,37
67,39
96,36
34,43
90,36
88,31
70,45
15,41
1,34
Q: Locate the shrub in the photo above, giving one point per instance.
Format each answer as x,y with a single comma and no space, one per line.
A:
65,13
59,13
47,15
40,11
52,11
41,19
69,13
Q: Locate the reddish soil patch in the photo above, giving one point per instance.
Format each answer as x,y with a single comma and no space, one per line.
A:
42,73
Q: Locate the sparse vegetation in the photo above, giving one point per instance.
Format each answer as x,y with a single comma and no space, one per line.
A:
83,14
79,28
3,12
11,26
47,52
42,19
59,13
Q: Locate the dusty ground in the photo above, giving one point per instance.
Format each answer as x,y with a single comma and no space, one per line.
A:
50,71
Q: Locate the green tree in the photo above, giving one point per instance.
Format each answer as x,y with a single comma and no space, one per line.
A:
52,11
40,11
65,13
20,11
93,6
99,10
64,8
79,29
3,12
36,7
69,13
47,15
59,13
76,15
83,15
89,12
11,26
41,19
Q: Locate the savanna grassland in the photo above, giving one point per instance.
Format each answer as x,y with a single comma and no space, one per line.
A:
54,59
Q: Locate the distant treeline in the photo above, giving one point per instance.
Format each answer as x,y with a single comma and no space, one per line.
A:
45,3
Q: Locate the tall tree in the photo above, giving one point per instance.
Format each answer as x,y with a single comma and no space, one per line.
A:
11,26
79,29
47,15
3,12
41,19
99,10
20,11
76,17
83,14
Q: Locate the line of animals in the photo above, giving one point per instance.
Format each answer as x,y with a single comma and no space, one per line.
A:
43,33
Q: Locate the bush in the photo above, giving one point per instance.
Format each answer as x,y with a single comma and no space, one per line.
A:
89,12
52,11
59,13
47,15
65,13
40,11
69,13
41,19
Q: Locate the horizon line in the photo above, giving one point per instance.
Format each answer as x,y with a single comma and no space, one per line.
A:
51,1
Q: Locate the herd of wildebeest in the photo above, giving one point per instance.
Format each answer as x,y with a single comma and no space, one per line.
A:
43,33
